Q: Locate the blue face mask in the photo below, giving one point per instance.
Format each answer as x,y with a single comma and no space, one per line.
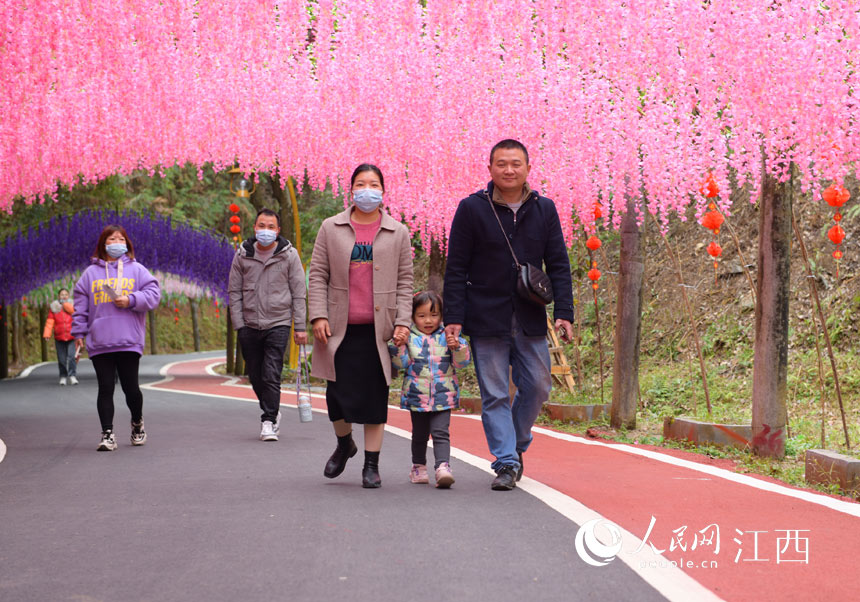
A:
266,237
116,250
367,199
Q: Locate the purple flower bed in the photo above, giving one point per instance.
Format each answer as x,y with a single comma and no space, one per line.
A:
64,246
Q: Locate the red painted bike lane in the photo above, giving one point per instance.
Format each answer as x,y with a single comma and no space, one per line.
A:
740,541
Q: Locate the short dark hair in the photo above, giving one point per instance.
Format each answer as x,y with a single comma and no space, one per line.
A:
101,252
363,168
510,143
266,211
431,297
63,289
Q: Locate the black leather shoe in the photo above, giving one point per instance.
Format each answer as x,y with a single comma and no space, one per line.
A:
506,479
337,462
520,471
370,477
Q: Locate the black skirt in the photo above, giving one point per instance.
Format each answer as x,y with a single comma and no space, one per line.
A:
359,395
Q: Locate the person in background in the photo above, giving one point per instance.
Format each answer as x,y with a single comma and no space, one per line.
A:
360,296
111,299
267,293
59,323
430,388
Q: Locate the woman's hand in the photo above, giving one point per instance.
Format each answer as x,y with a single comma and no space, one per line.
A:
122,301
322,331
401,333
79,345
300,337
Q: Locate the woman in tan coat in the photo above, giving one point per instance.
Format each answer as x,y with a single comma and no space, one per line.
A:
359,298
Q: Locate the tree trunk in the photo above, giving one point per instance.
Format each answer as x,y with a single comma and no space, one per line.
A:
230,342
43,317
153,339
285,209
195,322
628,323
436,268
770,363
4,341
16,332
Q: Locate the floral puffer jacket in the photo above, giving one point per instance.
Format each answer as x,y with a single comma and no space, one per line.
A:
430,383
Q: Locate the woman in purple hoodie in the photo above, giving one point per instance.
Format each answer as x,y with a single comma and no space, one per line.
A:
111,300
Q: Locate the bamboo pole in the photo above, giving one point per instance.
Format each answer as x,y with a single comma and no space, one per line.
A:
823,323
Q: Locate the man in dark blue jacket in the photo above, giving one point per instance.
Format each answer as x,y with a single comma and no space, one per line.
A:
480,299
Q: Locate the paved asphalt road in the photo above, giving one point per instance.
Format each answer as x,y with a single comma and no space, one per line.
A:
205,511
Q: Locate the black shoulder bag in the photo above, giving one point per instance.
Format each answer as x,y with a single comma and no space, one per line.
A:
532,283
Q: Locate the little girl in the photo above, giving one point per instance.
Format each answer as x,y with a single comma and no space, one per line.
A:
430,388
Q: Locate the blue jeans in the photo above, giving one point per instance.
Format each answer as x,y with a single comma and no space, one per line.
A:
508,426
66,357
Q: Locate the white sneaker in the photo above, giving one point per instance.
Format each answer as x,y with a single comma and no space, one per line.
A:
73,380
62,381
267,433
108,442
277,426
138,435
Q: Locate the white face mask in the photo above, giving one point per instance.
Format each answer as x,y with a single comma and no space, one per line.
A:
266,237
367,199
116,250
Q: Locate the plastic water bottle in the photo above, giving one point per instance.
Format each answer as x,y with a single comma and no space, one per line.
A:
305,412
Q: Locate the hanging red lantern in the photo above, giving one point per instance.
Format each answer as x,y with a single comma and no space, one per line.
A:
234,207
235,219
712,220
714,249
836,195
709,187
594,276
235,230
593,243
836,234
598,211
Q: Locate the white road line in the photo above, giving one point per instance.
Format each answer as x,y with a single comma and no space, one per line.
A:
849,508
26,371
669,581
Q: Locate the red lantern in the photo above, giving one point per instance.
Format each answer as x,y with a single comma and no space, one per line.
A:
835,196
234,207
235,219
593,243
712,220
709,187
594,276
235,229
837,255
836,234
598,211
715,250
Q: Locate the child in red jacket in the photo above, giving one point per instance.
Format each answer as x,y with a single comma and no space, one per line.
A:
60,322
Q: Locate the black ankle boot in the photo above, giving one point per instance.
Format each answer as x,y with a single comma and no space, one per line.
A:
370,474
344,451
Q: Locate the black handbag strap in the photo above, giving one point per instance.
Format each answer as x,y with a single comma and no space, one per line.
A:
504,234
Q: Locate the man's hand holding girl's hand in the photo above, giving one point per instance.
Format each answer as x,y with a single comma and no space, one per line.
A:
452,336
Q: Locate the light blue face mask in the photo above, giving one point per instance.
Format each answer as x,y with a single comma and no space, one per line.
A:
367,199
266,237
116,250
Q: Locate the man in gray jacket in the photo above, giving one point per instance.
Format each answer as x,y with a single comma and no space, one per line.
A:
267,292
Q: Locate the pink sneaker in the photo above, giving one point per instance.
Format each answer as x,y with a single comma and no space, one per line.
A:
444,476
418,474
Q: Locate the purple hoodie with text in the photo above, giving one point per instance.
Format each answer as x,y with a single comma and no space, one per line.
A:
107,327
